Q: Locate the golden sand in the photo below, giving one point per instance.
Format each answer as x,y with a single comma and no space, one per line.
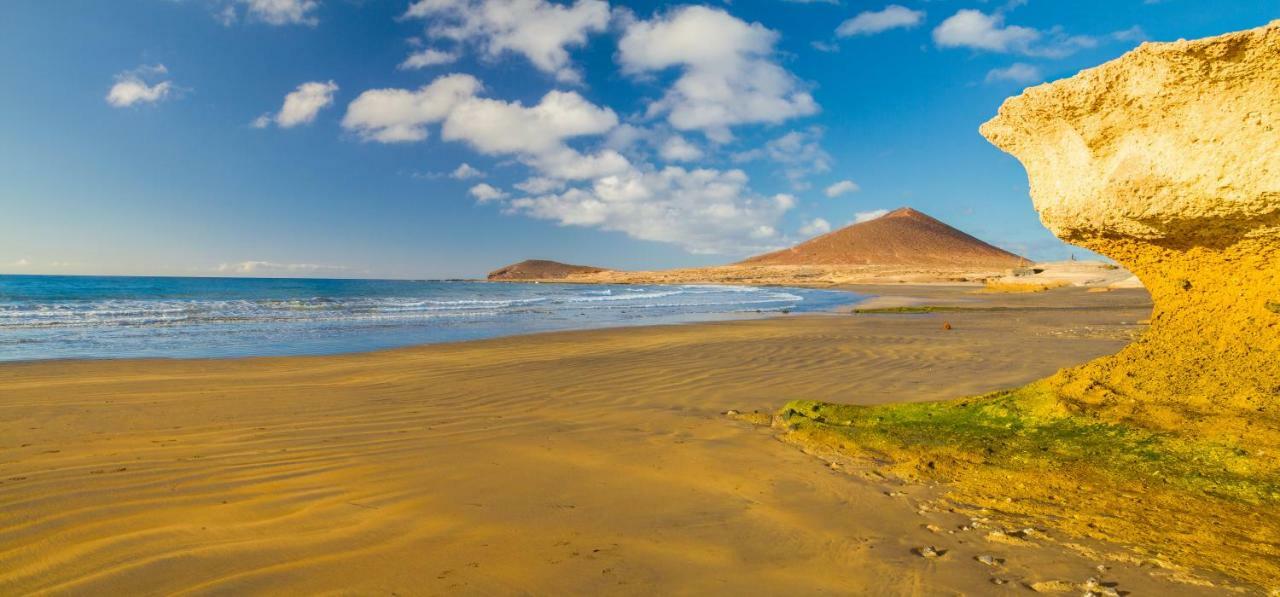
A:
584,462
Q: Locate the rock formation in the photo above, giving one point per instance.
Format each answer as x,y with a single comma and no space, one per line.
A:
541,269
1168,161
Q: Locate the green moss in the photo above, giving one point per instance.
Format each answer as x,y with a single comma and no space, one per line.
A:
1029,429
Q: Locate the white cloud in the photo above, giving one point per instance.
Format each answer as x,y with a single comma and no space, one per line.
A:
1134,33
539,30
1018,72
540,185
277,12
799,153
1058,44
678,149
871,22
976,30
496,127
301,105
702,210
427,57
593,184
841,188
271,267
536,135
131,87
815,227
728,74
400,115
657,142
625,137
227,16
466,172
22,262
569,164
970,28
485,192
867,216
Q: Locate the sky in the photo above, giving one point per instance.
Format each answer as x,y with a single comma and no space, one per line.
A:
446,138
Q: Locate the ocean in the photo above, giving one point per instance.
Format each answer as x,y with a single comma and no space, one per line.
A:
62,317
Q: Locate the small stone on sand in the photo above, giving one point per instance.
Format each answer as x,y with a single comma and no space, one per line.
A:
989,560
929,551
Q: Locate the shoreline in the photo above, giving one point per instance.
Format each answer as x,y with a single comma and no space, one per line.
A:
565,462
906,295
319,319
422,345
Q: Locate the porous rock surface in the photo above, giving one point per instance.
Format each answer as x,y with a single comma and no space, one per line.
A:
1167,160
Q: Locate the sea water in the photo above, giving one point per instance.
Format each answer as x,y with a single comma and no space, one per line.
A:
57,317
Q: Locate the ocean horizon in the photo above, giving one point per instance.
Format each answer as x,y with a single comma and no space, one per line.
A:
46,317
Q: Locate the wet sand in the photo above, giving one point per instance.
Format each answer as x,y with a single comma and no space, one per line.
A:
573,462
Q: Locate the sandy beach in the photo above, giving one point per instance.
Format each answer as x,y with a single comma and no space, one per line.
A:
801,298
575,462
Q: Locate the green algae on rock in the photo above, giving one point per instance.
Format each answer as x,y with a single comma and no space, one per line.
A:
1026,454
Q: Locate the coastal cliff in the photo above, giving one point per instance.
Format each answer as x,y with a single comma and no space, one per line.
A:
1168,161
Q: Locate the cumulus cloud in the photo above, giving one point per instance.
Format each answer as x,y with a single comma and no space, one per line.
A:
970,28
867,216
485,193
427,57
132,87
815,227
799,153
22,262
301,105
679,149
465,172
843,187
537,135
272,12
496,126
871,22
728,73
1018,72
580,176
569,164
701,210
271,267
976,30
400,115
540,185
541,31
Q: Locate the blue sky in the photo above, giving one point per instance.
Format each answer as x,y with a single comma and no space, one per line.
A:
328,137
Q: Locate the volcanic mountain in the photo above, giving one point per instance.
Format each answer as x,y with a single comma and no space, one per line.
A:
903,237
540,269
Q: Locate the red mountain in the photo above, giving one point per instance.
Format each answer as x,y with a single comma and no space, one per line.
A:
901,237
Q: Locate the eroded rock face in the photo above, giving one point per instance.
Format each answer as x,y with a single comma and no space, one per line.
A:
1168,161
